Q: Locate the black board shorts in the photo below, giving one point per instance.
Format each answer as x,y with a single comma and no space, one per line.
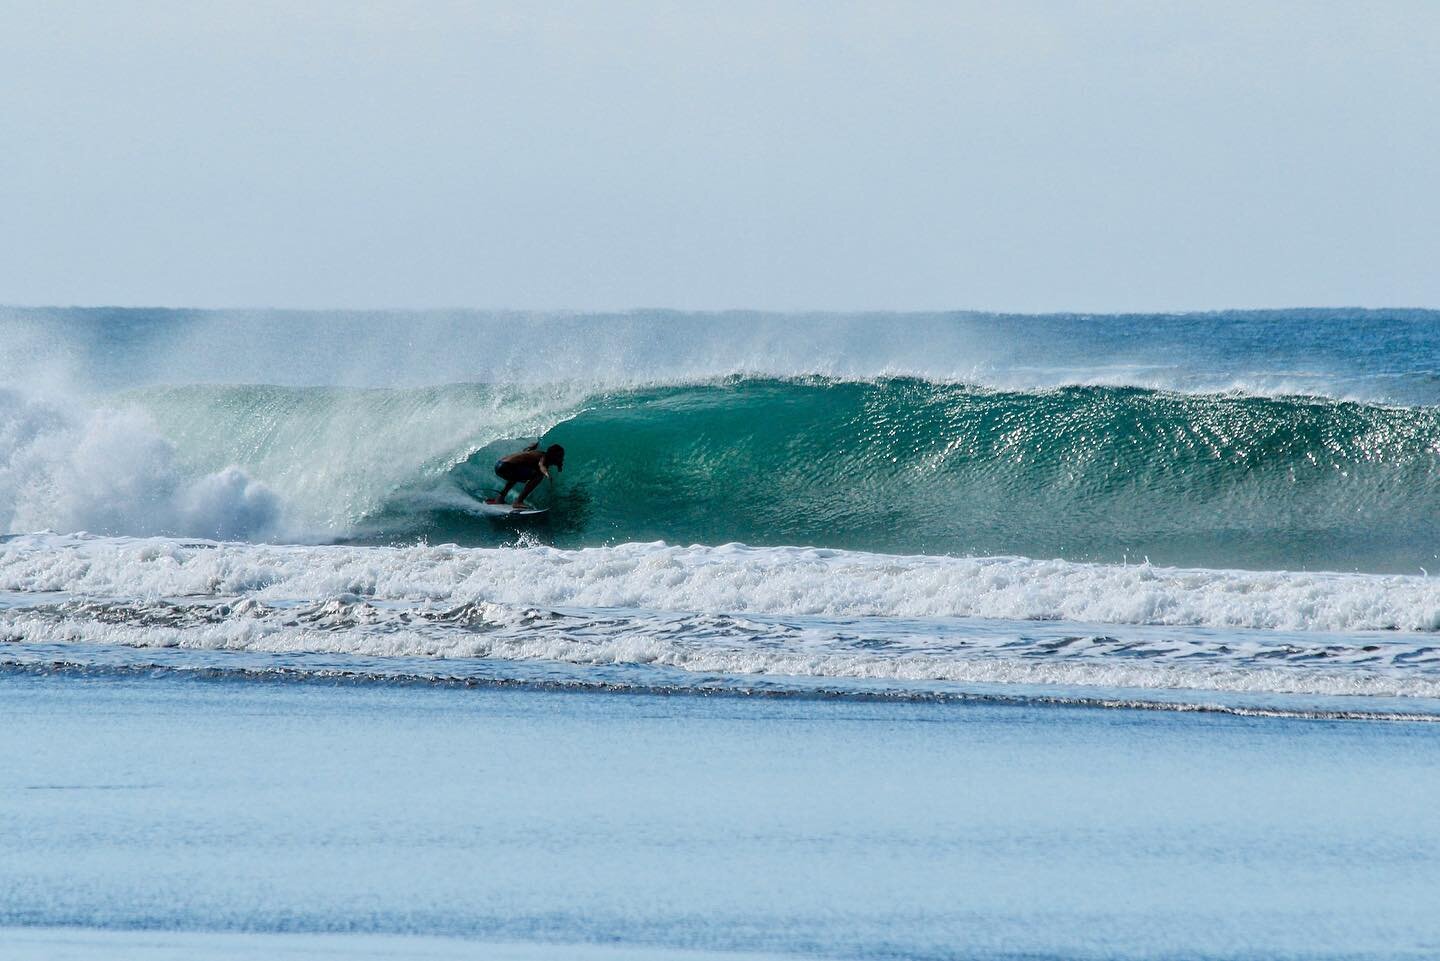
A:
515,473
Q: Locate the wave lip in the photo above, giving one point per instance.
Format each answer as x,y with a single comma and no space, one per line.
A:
1383,355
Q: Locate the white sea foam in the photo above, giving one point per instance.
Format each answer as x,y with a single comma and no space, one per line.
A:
727,579
450,641
735,611
109,469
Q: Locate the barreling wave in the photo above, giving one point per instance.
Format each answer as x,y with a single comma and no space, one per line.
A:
892,465
1090,473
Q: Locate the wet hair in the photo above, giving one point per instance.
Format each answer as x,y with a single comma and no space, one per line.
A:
555,454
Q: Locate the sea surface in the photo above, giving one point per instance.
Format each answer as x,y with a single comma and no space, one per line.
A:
179,817
1231,511
847,636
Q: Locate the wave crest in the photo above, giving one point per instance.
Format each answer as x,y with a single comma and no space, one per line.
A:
896,465
110,471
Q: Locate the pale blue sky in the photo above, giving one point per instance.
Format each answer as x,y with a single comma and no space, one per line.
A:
1009,156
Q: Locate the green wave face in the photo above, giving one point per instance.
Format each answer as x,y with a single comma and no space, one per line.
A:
1082,473
896,466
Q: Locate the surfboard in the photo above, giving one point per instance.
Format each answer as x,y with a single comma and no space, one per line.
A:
506,512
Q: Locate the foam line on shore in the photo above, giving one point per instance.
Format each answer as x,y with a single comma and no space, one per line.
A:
744,688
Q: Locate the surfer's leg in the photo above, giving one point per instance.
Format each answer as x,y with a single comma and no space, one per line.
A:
534,483
506,472
503,471
500,498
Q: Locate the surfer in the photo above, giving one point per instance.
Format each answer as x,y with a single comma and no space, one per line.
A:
528,467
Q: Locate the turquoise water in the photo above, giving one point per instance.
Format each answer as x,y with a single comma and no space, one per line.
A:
1301,440
905,466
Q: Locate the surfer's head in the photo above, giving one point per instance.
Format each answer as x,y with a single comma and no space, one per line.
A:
555,456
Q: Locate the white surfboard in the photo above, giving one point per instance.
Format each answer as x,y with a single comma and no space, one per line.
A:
507,512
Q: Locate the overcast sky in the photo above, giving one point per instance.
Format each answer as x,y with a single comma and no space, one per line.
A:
782,155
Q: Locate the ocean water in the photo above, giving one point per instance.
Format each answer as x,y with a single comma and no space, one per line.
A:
1232,511
225,818
921,636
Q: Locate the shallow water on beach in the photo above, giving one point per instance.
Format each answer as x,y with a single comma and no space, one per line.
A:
779,826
